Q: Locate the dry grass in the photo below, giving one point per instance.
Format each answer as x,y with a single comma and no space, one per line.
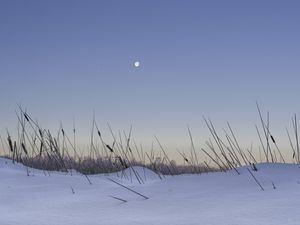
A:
38,148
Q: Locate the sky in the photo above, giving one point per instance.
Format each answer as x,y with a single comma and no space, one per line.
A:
65,60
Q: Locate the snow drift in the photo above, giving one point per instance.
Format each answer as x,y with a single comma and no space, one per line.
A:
53,198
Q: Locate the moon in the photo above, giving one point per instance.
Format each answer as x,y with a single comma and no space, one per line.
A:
137,64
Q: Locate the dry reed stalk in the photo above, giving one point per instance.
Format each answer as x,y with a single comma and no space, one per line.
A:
117,198
257,182
133,191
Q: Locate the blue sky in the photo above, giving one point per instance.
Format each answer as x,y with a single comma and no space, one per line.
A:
62,60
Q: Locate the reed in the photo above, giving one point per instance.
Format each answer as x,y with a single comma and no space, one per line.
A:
39,148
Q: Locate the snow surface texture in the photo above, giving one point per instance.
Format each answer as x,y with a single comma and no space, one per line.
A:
210,199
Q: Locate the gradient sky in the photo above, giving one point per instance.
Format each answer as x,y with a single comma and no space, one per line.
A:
62,60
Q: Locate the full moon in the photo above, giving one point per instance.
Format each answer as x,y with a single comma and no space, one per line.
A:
136,64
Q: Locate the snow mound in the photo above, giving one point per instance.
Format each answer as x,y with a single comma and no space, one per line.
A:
137,175
8,164
271,169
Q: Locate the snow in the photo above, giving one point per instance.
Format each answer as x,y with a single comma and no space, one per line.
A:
55,198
